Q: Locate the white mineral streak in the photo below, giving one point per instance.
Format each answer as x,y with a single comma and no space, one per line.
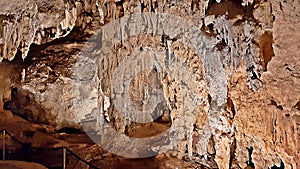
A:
70,18
169,43
101,13
247,2
106,103
23,75
203,7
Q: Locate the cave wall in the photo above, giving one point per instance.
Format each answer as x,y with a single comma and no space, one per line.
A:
251,108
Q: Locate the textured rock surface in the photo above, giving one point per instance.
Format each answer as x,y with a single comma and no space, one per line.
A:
245,68
268,120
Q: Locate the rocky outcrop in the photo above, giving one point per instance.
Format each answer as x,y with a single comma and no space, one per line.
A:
241,63
26,22
39,21
267,121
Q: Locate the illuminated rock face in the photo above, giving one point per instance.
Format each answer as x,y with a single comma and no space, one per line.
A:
253,68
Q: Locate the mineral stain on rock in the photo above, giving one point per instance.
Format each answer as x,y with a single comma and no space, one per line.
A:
266,48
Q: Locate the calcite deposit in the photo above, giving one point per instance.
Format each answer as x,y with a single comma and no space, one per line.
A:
226,75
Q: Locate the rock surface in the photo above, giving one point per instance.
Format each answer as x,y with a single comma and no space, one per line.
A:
19,165
243,73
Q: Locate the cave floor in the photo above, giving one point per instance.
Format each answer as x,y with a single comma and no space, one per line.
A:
45,136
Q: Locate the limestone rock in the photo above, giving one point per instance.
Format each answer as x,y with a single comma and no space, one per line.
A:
234,105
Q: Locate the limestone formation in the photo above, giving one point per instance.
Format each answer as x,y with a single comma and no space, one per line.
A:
228,73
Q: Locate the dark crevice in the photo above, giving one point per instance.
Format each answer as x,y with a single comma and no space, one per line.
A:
143,6
151,6
195,5
221,45
275,104
210,26
288,68
230,107
120,7
119,3
280,6
230,8
212,145
250,162
280,167
75,36
233,9
297,105
28,134
164,40
254,74
154,5
208,30
69,130
232,153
